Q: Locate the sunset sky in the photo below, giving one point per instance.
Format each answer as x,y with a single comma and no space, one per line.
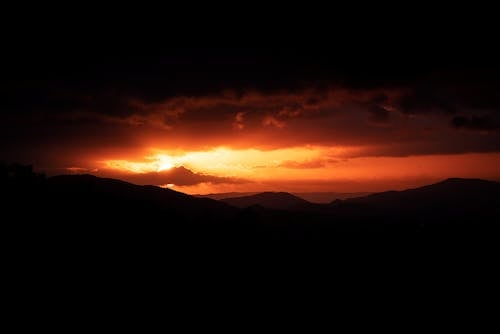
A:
224,120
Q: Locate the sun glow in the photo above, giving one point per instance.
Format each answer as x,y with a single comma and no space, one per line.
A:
252,163
312,168
165,166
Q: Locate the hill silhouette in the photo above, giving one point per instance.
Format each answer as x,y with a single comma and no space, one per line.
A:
312,197
447,191
327,197
219,196
453,198
271,200
71,211
85,213
89,227
91,189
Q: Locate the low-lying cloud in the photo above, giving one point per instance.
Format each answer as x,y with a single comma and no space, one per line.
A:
179,176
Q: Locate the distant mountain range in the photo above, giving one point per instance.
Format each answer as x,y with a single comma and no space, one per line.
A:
219,196
313,197
272,200
73,209
451,197
81,224
327,197
453,193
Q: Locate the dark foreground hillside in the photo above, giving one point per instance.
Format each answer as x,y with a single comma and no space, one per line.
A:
96,237
86,209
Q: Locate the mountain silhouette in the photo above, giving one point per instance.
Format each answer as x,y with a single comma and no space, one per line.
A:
453,208
219,196
89,227
313,197
122,199
454,194
72,210
327,197
95,189
271,200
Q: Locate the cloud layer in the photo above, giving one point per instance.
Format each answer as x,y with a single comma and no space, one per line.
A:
177,176
81,113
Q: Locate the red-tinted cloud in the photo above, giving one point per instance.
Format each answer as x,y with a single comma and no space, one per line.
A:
179,176
390,120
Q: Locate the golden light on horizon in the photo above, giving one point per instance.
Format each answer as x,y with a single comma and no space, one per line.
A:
305,163
165,166
290,168
222,161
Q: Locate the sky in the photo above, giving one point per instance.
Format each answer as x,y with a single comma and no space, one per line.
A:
208,120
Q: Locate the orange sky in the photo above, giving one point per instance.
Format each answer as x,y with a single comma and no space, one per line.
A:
205,120
333,139
296,169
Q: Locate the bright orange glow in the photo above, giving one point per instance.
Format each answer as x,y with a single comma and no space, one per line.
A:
152,164
221,161
165,166
308,168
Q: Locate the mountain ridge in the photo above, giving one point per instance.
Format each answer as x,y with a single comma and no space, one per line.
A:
317,197
271,200
448,197
93,188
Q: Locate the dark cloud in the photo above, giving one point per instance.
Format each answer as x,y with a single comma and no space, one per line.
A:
452,91
479,123
369,118
103,79
426,100
179,176
60,108
379,115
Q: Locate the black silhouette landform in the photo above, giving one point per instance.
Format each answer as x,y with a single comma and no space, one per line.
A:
271,200
313,197
82,214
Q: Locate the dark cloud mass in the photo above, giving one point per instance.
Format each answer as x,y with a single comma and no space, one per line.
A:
479,123
61,107
379,115
179,176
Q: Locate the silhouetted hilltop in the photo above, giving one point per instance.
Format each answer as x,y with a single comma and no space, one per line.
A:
327,197
452,200
99,224
98,191
453,192
312,197
271,200
18,175
219,196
